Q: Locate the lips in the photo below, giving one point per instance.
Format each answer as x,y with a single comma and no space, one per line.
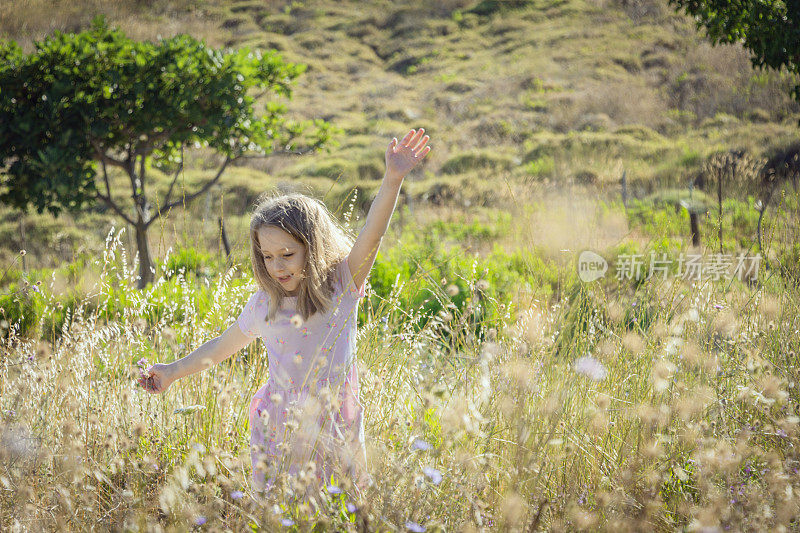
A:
285,279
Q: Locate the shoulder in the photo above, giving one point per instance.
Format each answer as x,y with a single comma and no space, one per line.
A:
344,279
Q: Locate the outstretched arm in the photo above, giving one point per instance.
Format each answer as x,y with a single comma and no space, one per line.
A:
401,157
160,376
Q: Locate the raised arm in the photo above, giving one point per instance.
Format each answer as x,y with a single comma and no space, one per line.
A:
400,159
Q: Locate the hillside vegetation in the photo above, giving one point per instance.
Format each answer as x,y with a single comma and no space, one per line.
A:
540,96
501,392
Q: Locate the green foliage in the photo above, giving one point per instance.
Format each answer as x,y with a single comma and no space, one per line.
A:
489,7
80,96
543,166
18,310
767,29
657,220
484,283
188,260
466,232
471,160
790,262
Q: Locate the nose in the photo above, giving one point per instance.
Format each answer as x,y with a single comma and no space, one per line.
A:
280,265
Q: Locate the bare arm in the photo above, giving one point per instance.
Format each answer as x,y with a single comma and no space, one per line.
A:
400,159
211,352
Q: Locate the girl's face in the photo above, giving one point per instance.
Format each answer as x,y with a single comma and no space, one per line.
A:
284,256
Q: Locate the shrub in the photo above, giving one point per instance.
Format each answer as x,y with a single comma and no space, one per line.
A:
18,309
189,260
478,159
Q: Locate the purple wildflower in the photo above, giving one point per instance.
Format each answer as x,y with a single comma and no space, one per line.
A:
237,495
351,507
420,444
287,522
435,475
334,489
200,520
413,526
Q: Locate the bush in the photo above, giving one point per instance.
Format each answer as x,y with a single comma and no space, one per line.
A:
479,159
18,309
189,260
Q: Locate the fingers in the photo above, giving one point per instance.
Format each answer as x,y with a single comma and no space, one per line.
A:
413,137
418,148
407,139
149,384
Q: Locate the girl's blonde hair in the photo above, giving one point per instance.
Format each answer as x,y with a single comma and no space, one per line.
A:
326,243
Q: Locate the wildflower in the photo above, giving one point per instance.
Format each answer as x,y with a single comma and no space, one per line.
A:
482,285
297,321
287,522
237,495
452,290
334,489
435,475
200,520
413,526
22,252
420,444
351,507
590,367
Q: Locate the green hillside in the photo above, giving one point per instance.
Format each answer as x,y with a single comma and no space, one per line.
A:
501,389
538,97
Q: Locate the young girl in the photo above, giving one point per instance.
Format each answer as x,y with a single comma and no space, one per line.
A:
307,416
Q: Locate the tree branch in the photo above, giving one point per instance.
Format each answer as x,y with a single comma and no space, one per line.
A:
110,203
190,197
107,197
172,185
101,153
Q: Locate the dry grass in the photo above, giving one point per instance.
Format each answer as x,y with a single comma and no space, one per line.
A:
562,417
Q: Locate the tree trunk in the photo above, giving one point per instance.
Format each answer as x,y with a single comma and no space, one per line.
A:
145,263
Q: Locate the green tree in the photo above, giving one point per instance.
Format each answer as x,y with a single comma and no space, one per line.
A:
768,29
100,99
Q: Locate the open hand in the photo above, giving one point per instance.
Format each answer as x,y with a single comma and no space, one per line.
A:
156,379
403,156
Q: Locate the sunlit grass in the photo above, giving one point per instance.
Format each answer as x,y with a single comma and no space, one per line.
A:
668,406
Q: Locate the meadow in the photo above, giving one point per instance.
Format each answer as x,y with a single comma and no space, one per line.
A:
502,392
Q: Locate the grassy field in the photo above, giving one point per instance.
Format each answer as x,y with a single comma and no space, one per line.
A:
501,391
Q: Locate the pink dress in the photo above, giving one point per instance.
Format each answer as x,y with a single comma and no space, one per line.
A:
308,410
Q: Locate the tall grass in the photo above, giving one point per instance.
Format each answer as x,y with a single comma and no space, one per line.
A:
654,406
